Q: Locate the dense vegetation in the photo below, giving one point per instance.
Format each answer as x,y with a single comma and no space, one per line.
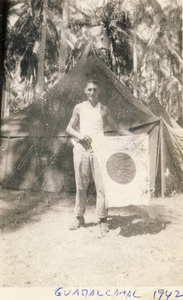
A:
139,40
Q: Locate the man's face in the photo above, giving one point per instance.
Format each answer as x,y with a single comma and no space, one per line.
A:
92,92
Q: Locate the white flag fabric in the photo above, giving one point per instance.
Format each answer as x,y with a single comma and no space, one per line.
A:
124,165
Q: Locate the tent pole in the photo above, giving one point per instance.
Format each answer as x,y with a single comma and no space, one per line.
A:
162,161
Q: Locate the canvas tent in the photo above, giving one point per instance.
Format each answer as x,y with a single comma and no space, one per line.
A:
36,153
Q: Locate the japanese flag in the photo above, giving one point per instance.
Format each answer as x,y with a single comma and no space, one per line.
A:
124,165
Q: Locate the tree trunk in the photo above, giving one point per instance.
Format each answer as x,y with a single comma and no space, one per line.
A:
3,103
41,54
135,66
113,58
5,112
182,73
4,7
63,41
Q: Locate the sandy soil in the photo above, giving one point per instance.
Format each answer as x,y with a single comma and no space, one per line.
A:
143,248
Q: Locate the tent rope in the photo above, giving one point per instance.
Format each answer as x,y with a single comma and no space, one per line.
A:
90,195
24,159
3,146
49,163
20,165
59,190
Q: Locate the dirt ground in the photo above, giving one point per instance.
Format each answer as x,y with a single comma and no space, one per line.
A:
143,248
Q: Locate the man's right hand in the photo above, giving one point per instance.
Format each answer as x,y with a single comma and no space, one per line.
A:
85,138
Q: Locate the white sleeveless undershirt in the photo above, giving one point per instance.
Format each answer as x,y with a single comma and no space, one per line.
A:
91,122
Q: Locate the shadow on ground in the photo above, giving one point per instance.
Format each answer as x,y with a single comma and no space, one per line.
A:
139,220
18,208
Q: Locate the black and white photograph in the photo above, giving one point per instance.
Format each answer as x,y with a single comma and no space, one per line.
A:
91,147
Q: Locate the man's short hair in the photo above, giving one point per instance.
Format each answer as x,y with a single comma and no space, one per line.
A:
93,81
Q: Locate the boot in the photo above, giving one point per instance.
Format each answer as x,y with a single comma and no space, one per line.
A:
79,222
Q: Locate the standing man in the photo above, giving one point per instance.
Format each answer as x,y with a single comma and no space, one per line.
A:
90,115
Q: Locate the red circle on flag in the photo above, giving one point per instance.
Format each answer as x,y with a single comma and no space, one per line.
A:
121,168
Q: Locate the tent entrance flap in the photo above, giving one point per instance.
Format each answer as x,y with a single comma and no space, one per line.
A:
162,146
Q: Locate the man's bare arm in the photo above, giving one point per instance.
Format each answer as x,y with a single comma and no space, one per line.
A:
72,125
116,127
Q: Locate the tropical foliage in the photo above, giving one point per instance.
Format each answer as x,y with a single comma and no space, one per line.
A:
139,40
24,49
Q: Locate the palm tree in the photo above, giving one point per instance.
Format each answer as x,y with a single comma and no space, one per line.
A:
33,42
154,37
138,31
42,48
106,28
162,56
63,40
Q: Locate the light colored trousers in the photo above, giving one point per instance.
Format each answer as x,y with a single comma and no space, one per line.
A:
85,163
